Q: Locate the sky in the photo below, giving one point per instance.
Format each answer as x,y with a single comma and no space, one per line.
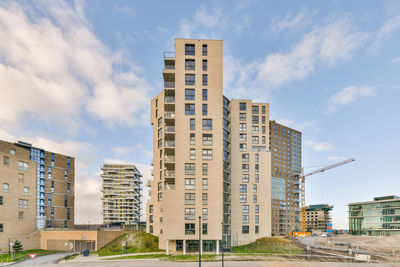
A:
76,77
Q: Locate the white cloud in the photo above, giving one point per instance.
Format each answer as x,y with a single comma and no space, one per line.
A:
299,21
58,69
319,146
347,96
286,122
385,32
396,60
209,18
88,205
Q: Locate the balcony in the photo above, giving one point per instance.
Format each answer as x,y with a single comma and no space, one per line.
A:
169,54
169,174
169,144
169,129
169,99
169,159
169,84
169,114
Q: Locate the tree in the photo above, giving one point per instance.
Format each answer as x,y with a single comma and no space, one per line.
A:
17,246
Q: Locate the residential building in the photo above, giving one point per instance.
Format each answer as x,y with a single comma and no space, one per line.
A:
379,217
195,149
318,217
285,146
37,192
121,190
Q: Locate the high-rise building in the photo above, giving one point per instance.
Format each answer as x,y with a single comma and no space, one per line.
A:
285,146
121,194
37,192
318,217
200,166
379,217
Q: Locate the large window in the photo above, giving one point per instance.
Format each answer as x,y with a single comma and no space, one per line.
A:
245,178
243,147
190,199
207,124
205,95
189,228
192,154
22,165
243,198
242,116
242,127
192,139
245,208
207,154
6,188
190,183
205,229
204,168
245,219
243,188
205,79
204,110
245,229
192,124
189,109
23,203
255,120
254,129
189,79
242,137
242,106
255,139
245,167
204,64
189,214
189,94
189,64
6,160
204,50
255,109
204,199
245,157
207,140
189,168
189,49
204,183
204,214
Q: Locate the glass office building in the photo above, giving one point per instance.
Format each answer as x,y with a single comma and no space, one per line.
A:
380,217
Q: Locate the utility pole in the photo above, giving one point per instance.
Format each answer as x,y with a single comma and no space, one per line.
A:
222,244
199,241
9,244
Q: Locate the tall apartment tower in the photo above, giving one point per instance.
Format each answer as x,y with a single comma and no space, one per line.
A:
37,192
121,194
318,217
193,154
285,146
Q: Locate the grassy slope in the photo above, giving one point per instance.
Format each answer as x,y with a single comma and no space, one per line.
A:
138,242
24,254
276,245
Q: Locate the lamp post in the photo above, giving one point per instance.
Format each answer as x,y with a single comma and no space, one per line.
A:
9,244
199,241
222,243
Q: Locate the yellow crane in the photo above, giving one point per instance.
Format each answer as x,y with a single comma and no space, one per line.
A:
303,187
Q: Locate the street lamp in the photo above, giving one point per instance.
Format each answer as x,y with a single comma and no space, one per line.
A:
199,241
222,243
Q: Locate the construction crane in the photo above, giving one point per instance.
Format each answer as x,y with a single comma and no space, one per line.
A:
303,187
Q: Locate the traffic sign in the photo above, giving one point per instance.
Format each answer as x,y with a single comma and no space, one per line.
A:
32,256
123,243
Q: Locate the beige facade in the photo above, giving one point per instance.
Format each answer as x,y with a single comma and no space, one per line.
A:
121,190
285,146
192,155
37,192
318,217
251,171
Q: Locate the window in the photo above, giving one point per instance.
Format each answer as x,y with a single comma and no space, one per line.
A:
204,64
12,151
156,102
52,157
245,178
159,122
192,124
189,168
204,198
256,178
242,106
189,228
245,208
151,229
189,79
257,209
190,199
189,49
189,214
23,203
254,198
204,49
205,95
159,196
20,215
263,109
159,186
189,64
207,154
192,154
245,219
263,119
26,191
6,160
205,79
254,188
159,143
151,209
204,168
243,147
263,140
207,139
205,214
204,110
1,201
21,177
255,109
242,137
160,132
257,229
257,167
254,119
243,198
245,167
207,124
243,188
189,109
22,165
192,139
255,140
205,229
205,183
49,199
254,129
242,127
242,116
245,229
263,129
256,157
189,183
257,219
65,201
245,157
189,94
6,188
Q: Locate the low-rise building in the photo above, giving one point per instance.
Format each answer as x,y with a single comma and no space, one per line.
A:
380,217
318,217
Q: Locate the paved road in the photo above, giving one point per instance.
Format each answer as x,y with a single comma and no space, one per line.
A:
48,260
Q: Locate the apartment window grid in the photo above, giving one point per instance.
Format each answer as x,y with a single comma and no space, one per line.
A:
205,228
245,229
190,94
245,219
204,64
192,139
255,109
245,178
205,214
1,200
242,127
254,119
189,79
204,199
190,199
243,198
205,80
242,116
204,183
242,137
190,183
243,188
20,177
6,188
242,106
189,109
204,109
204,50
207,124
189,49
23,203
207,139
189,213
204,168
204,95
6,160
20,215
189,64
192,154
207,154
23,166
190,229
192,125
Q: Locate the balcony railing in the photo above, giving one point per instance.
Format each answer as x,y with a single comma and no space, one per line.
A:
169,129
169,174
169,159
169,67
169,114
169,84
169,54
169,143
169,99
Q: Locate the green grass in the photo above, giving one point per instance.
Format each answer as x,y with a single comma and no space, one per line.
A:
137,242
24,254
192,258
271,245
144,256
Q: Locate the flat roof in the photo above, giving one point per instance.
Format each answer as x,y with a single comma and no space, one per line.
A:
392,198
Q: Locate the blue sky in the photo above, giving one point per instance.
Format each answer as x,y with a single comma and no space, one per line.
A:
77,77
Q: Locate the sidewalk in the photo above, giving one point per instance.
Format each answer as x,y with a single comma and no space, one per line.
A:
96,258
